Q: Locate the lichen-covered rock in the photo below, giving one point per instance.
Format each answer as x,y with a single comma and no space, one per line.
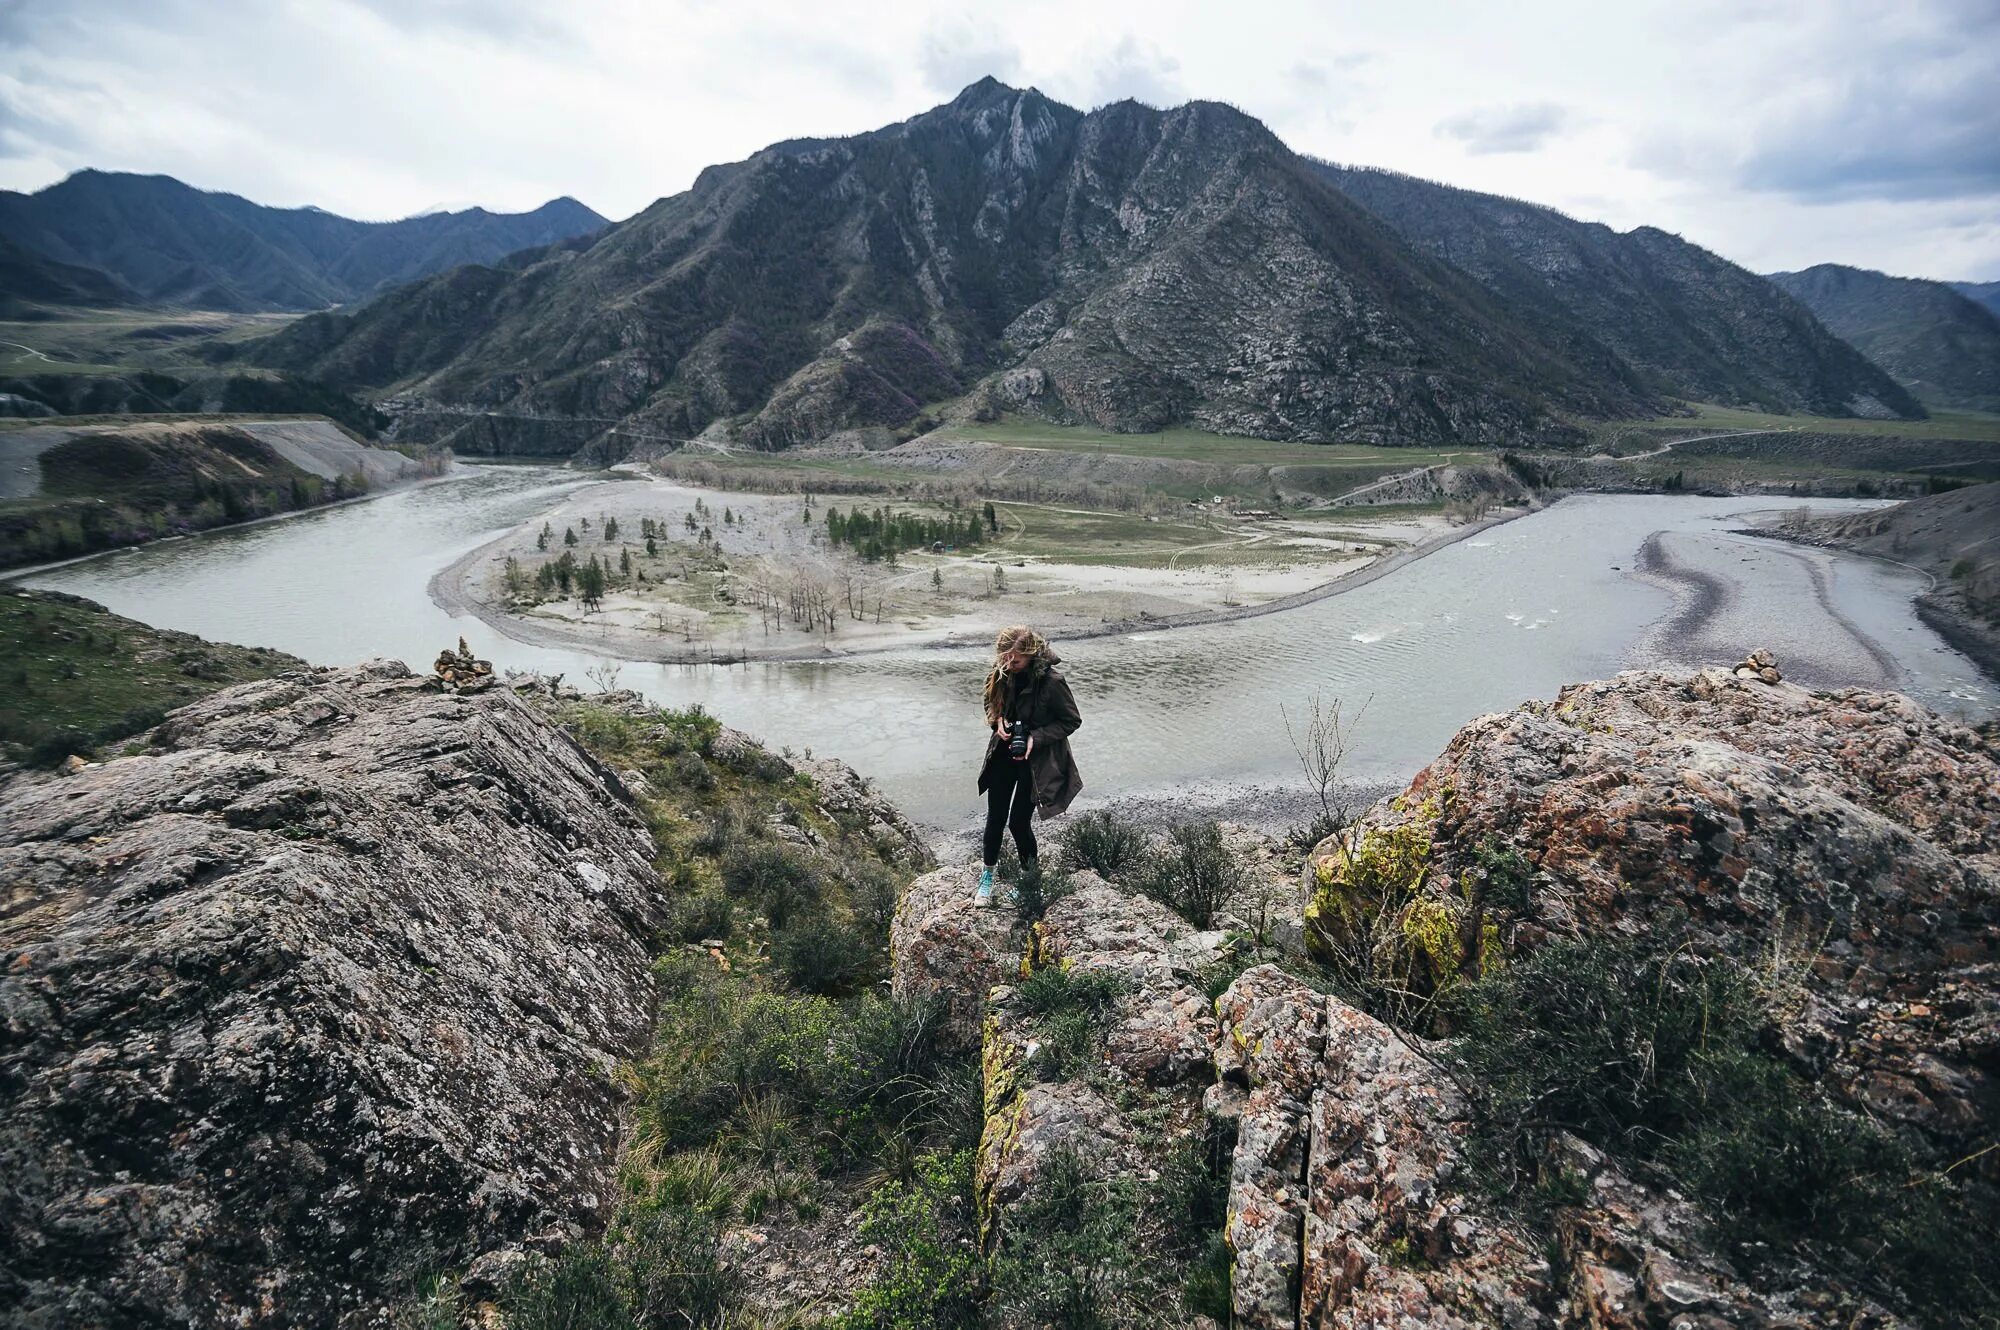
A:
328,990
1145,1093
846,796
1346,1207
943,946
1851,837
1271,1037
1350,1206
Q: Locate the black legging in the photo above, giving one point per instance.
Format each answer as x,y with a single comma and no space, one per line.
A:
1009,780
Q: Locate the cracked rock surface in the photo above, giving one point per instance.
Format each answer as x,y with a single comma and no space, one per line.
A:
327,991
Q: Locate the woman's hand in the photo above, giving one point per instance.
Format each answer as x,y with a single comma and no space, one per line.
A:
1000,728
1031,749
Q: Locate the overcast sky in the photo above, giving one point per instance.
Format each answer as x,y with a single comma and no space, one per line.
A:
1780,133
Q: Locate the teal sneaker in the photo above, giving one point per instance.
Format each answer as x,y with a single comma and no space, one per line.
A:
984,896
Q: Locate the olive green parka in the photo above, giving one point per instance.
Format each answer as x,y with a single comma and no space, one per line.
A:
1040,696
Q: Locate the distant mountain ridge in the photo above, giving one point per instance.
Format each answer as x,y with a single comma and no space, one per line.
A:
1689,323
1986,293
173,244
1129,268
1937,342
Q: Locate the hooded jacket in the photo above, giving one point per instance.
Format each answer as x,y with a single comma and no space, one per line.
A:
1040,697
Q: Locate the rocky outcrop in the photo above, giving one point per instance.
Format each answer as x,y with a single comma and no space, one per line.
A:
1347,1200
1844,845
942,947
1157,1035
326,990
1350,1203
1853,837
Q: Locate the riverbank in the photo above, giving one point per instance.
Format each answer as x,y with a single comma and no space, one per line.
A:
33,570
1942,607
732,593
70,491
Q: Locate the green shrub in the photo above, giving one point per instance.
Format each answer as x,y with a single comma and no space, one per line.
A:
700,1181
757,762
775,877
1194,874
692,727
51,749
1660,1054
673,1275
1104,843
868,1070
1305,835
820,956
700,915
577,1290
1066,1250
435,1305
872,894
1070,1012
1036,889
659,1267
1508,878
930,1276
724,830
1190,1199
689,771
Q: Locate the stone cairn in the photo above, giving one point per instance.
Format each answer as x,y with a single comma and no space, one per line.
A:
1759,664
458,672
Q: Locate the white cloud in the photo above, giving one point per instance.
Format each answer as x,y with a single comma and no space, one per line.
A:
1524,128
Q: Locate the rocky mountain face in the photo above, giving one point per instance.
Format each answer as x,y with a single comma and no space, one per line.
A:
1129,268
1686,322
1941,344
1844,846
175,245
337,981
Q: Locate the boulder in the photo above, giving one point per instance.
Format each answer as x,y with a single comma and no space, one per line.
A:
1849,842
329,990
943,946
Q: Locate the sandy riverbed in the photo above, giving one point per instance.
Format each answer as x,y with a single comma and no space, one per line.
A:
698,602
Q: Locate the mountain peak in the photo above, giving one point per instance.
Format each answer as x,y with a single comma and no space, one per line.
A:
984,92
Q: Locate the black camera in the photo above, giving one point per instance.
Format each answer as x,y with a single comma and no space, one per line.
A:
1018,744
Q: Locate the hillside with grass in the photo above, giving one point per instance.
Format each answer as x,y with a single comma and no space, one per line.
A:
79,679
1687,322
1942,345
1116,269
76,489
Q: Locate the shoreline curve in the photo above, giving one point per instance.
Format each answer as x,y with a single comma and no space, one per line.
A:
450,592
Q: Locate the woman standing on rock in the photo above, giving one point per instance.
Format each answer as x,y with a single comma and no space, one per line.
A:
1031,714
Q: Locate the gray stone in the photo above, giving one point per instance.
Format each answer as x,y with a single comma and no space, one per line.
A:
330,990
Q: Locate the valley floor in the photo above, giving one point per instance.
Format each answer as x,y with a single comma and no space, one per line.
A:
727,570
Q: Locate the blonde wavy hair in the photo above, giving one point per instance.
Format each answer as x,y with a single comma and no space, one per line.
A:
1019,638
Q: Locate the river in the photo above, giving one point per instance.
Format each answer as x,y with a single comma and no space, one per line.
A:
1512,613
